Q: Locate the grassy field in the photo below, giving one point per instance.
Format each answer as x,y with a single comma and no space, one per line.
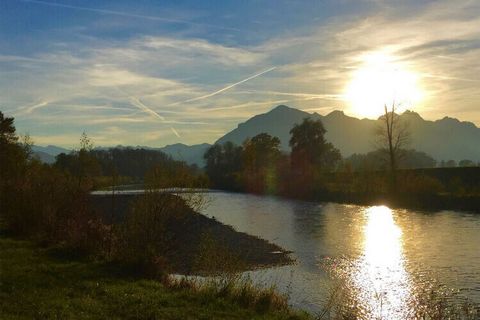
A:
38,283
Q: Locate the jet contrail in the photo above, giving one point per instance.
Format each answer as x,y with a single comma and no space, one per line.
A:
28,110
223,89
175,132
137,103
125,14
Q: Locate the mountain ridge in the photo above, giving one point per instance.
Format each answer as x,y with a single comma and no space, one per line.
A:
443,139
446,138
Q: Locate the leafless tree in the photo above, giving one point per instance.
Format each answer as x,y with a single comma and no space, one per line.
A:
393,136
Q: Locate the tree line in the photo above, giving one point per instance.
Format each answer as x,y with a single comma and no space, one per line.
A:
259,166
315,167
120,165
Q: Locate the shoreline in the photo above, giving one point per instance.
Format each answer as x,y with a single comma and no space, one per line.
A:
426,202
41,283
431,203
195,233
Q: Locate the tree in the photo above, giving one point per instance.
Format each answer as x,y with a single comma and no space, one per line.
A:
375,160
311,157
12,154
309,147
393,136
7,130
451,164
260,157
82,163
223,165
466,163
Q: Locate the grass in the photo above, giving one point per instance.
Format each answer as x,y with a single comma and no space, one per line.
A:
39,283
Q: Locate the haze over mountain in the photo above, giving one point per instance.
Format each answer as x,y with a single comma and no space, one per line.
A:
443,139
51,150
190,154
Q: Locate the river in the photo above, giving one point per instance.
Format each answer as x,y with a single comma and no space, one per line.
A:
386,257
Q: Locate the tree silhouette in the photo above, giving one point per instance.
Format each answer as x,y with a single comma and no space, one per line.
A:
260,157
7,130
393,136
311,157
309,147
223,165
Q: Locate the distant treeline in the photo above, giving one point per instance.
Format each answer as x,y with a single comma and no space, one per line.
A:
410,159
126,165
315,170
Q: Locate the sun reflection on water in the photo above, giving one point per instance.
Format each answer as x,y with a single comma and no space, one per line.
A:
380,277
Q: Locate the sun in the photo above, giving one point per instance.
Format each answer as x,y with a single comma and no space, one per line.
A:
382,79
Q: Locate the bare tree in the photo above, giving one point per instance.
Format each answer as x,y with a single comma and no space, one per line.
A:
393,136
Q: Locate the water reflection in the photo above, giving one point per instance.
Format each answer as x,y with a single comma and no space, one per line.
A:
388,257
379,275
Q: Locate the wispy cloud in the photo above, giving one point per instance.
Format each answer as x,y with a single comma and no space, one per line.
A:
172,77
30,109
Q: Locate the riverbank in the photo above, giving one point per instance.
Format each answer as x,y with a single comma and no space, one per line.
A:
196,240
38,283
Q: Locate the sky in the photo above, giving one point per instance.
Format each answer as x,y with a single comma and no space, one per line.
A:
154,73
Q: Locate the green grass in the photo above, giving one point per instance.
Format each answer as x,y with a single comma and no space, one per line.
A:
37,283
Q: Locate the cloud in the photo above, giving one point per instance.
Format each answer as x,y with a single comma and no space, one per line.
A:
30,109
226,55
164,77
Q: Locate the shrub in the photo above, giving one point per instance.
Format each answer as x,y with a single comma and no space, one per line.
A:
419,184
145,237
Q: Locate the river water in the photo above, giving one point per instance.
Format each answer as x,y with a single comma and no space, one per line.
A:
387,258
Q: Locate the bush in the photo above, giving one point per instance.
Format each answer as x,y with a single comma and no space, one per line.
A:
419,184
52,207
213,258
145,239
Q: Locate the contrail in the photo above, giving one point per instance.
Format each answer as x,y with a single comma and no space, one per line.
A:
224,89
25,110
175,132
137,103
130,15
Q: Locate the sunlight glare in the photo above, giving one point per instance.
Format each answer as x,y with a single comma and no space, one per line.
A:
381,277
382,79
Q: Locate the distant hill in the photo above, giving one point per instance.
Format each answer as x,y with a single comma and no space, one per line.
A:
443,139
190,154
51,150
44,157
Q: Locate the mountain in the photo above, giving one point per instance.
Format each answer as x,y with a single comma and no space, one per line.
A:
190,154
44,157
51,150
443,139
